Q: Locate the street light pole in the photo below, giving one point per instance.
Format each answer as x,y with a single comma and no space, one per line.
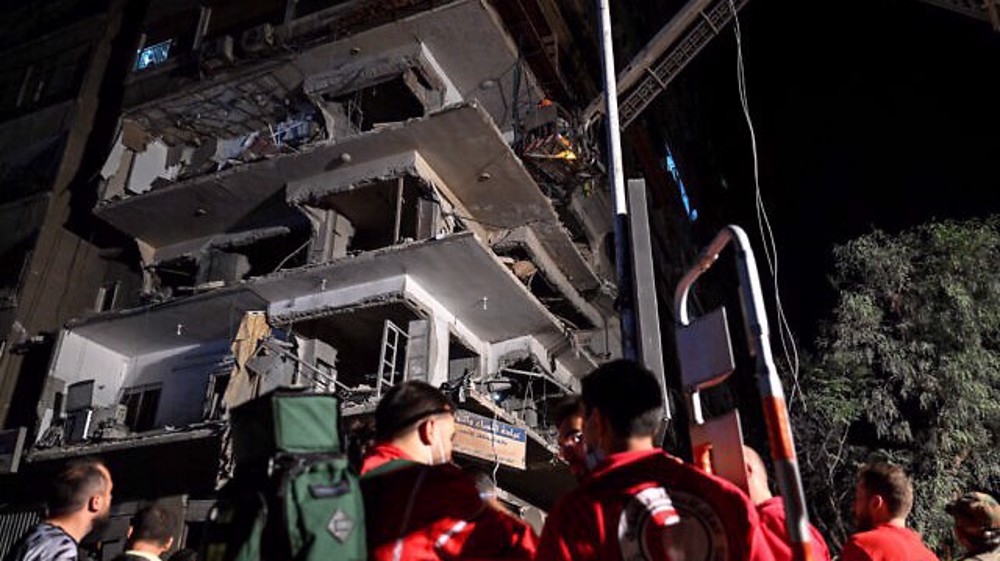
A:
616,177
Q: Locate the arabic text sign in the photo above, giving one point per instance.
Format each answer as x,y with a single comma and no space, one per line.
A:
493,441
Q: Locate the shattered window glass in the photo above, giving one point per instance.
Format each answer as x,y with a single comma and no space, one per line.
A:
153,55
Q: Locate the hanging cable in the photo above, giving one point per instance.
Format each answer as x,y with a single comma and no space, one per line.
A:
786,338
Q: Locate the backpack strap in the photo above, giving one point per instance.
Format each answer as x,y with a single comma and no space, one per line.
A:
388,467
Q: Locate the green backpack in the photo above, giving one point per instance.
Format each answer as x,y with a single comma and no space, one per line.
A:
293,496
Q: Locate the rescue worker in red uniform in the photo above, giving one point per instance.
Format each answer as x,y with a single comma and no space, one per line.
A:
419,506
883,498
771,510
568,420
638,502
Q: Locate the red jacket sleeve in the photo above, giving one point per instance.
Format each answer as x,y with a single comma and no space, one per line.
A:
756,546
569,534
819,544
490,535
486,532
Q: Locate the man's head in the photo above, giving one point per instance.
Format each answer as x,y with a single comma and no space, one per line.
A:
884,494
568,419
81,491
419,419
623,407
756,476
152,530
977,522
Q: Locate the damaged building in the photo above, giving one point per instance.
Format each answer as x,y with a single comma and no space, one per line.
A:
337,196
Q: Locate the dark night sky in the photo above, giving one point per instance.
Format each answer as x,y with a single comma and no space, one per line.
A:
869,113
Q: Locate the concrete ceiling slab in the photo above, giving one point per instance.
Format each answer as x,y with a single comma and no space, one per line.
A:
203,319
198,208
458,271
460,143
482,69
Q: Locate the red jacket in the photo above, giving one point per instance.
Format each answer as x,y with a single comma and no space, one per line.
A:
772,522
641,505
416,512
886,543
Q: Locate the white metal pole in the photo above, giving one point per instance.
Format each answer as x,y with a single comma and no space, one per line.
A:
616,177
615,171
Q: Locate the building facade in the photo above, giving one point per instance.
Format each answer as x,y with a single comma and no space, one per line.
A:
330,195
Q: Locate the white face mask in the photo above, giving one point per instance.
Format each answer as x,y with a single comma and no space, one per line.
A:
435,447
439,446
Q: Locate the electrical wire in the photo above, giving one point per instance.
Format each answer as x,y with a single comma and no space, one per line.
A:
290,255
785,334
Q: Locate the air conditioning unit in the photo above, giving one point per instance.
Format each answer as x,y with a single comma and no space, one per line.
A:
257,39
218,52
80,395
111,415
108,423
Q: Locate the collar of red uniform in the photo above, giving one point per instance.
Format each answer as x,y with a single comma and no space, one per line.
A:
382,453
620,459
773,502
893,527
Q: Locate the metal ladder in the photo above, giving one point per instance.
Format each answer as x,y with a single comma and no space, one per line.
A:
392,334
659,75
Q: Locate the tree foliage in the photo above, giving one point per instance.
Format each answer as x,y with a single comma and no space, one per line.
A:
908,369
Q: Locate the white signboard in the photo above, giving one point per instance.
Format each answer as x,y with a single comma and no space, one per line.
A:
493,441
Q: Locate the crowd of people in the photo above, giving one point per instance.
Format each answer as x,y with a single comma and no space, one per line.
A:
633,501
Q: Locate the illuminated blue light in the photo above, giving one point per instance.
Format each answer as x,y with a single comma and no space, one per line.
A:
153,55
672,168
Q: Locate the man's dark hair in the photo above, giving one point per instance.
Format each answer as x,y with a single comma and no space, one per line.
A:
405,404
627,394
565,408
73,486
889,482
153,523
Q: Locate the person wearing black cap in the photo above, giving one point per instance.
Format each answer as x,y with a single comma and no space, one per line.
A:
417,504
977,526
414,421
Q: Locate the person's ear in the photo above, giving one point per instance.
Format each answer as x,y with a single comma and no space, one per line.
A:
128,535
876,503
425,431
169,544
94,503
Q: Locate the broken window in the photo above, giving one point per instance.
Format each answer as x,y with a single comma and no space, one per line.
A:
463,362
107,297
142,404
216,389
376,215
388,87
328,376
153,55
177,276
524,268
389,102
